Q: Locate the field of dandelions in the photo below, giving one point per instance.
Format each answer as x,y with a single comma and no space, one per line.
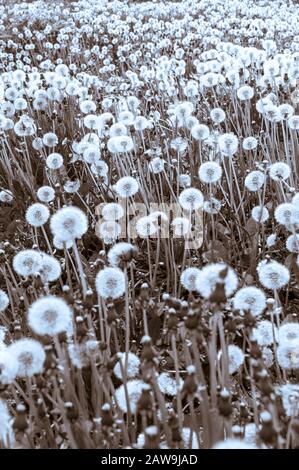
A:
149,169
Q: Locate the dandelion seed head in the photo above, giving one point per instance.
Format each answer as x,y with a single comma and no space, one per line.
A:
254,180
279,171
145,227
235,358
184,181
167,384
249,143
210,172
191,199
50,268
131,367
260,214
4,300
134,390
288,333
288,355
6,196
228,144
156,165
27,262
7,437
50,140
37,215
217,115
265,333
292,243
273,275
233,443
112,211
245,93
212,206
189,277
200,132
8,367
126,187
211,275
290,398
46,194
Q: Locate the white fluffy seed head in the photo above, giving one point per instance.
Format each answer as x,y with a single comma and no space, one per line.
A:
110,283
54,161
235,358
132,367
37,215
50,315
134,389
118,252
156,165
249,143
145,227
112,211
8,367
69,223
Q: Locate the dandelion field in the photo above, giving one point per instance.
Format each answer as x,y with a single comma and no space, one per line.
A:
149,225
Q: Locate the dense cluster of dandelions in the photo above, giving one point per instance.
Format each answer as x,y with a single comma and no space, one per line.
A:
150,264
